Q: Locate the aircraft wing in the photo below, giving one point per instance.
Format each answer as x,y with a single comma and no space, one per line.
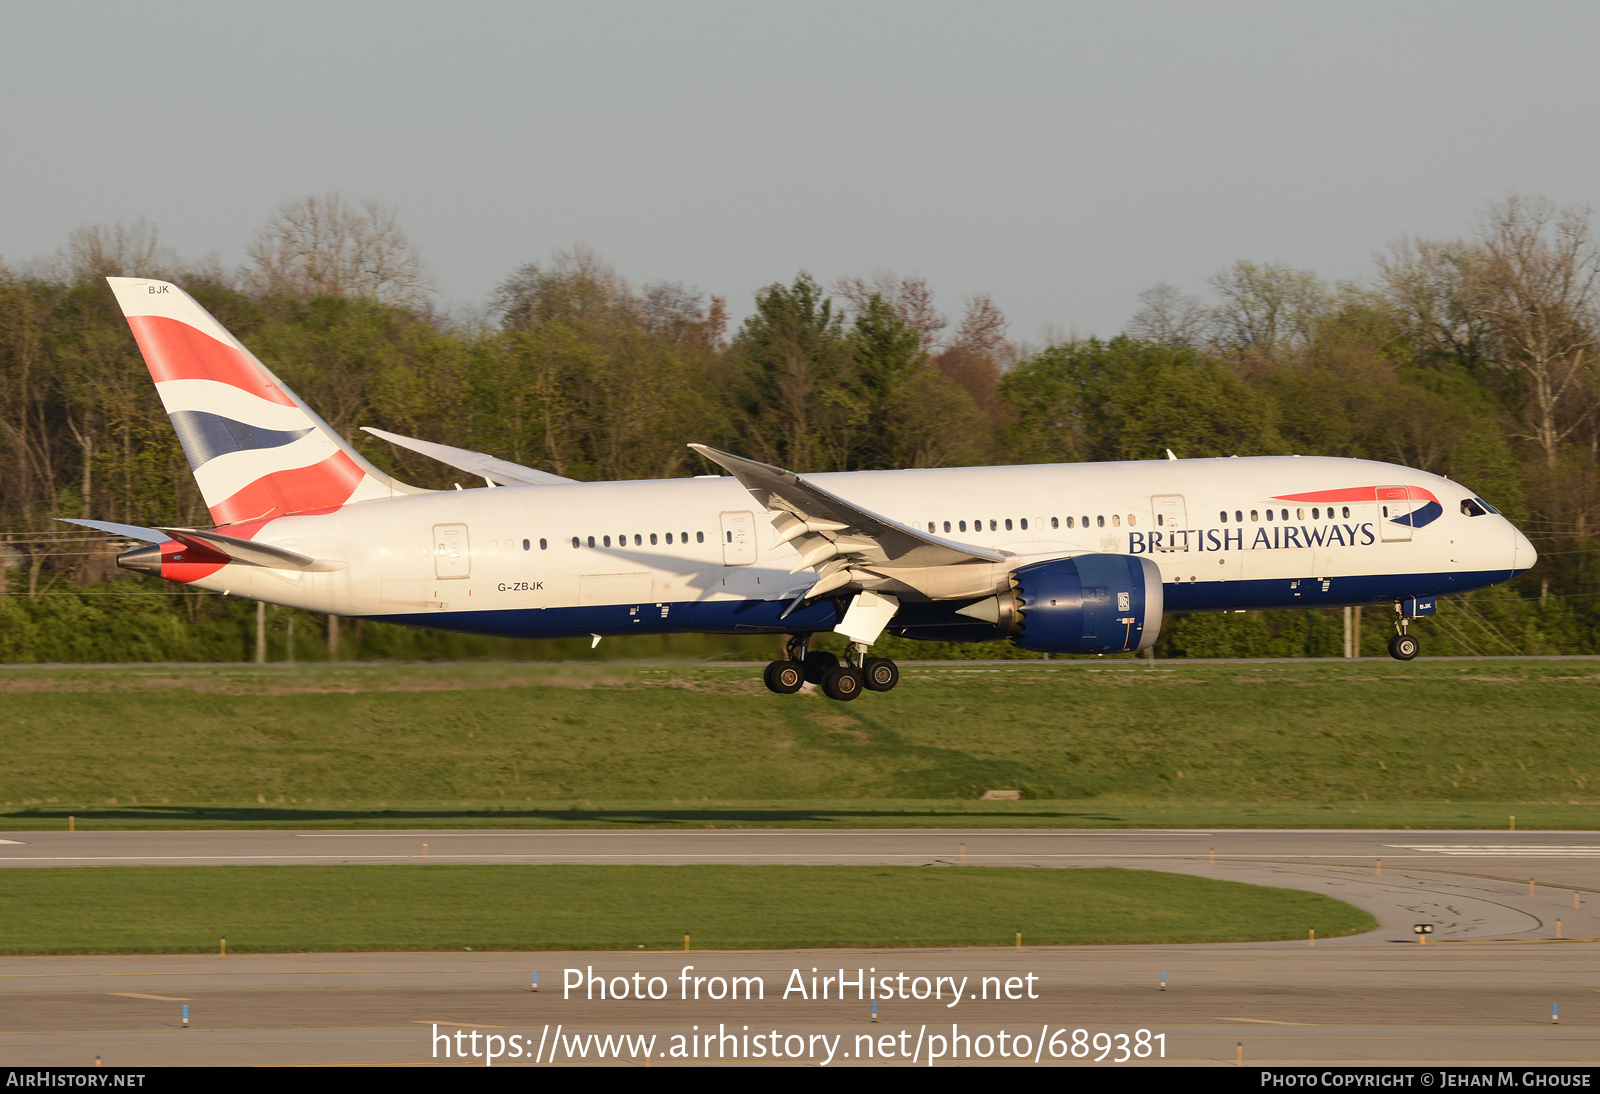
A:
833,535
496,470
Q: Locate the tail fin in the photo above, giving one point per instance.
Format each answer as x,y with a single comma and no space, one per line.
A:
256,450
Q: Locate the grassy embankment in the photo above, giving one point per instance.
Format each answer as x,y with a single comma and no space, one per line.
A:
278,908
1111,743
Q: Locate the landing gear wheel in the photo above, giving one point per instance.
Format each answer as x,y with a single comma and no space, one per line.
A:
1403,647
784,677
819,664
880,674
842,684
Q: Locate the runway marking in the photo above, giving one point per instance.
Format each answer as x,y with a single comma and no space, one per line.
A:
159,998
11,841
1264,1021
1505,850
446,1022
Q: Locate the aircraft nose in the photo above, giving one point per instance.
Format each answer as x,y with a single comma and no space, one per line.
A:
1523,556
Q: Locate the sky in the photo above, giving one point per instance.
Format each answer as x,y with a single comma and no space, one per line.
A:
1061,157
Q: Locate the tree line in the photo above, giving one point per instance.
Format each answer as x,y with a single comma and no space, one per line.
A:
1470,357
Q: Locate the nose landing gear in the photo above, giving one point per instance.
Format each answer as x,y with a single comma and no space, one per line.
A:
1403,647
842,682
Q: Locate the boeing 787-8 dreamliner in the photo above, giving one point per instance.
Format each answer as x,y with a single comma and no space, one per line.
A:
1060,558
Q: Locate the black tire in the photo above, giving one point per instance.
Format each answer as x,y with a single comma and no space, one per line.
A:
819,664
843,684
784,677
880,674
1403,647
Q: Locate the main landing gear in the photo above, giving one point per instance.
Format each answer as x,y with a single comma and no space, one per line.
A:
841,681
1403,647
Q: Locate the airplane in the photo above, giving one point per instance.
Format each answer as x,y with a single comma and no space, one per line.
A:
1058,558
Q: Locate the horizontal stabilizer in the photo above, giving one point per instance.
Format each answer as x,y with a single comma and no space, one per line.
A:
496,470
127,531
255,554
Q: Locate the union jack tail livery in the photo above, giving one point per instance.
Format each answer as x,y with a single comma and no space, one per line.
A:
255,449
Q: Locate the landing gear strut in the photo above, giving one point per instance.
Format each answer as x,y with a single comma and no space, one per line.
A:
841,681
1403,647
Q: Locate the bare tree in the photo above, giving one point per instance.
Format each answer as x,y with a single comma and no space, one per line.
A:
910,297
1538,272
323,245
1432,293
1169,317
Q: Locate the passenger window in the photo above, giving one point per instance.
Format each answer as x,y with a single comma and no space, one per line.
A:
591,541
977,526
1347,511
638,540
1314,515
574,543
994,527
1223,515
1116,521
1100,522
1133,520
730,536
1285,514
652,539
1238,516
1299,514
1086,522
1008,524
963,526
1024,524
946,526
683,537
669,539
930,526
608,541
699,537
526,545
1055,522
1253,516
544,545
1269,514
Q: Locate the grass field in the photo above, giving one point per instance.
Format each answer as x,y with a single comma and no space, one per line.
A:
1109,743
303,908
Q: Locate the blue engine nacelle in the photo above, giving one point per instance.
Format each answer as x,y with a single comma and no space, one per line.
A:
1085,604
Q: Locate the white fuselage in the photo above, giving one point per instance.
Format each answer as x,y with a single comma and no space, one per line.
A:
698,554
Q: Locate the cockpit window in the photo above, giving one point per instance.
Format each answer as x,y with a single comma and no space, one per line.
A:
1470,507
1487,506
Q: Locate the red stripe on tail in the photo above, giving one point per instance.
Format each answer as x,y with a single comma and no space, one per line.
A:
177,351
322,485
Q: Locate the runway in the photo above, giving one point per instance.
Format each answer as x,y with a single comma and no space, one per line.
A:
1482,990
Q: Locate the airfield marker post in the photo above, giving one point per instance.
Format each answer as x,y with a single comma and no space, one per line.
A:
1530,886
224,950
874,1010
1213,856
72,824
1380,867
1558,928
1163,979
535,986
1313,936
186,1016
685,941
1239,1060
1555,1014
963,852
424,852
1019,940
1513,824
